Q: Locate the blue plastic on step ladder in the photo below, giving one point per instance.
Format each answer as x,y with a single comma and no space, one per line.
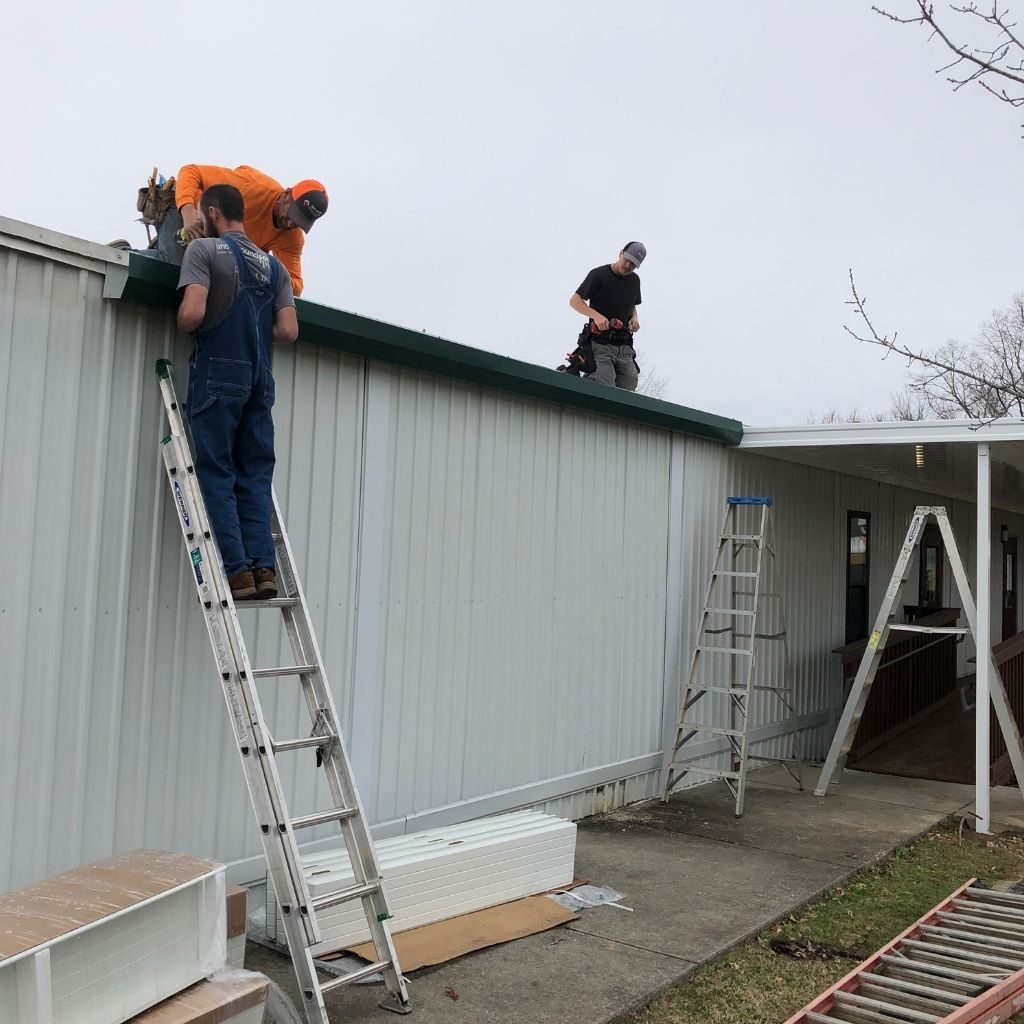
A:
748,501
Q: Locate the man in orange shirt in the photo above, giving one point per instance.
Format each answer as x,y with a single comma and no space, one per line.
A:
277,219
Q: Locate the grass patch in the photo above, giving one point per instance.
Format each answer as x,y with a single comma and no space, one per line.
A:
753,985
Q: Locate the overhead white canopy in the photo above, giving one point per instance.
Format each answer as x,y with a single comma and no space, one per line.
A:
937,456
981,462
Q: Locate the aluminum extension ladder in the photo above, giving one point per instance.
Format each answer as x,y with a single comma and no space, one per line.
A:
259,750
885,624
733,612
962,963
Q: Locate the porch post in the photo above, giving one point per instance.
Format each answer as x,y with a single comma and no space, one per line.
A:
983,641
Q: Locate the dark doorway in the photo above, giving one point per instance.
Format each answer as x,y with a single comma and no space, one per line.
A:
929,591
858,566
1009,587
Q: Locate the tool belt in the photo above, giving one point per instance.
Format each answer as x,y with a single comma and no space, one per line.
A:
616,334
155,200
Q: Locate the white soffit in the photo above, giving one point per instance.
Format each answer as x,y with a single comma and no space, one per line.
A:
937,456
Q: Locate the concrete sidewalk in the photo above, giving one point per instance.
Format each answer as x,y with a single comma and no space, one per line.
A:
698,880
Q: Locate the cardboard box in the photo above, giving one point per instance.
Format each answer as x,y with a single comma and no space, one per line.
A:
237,909
237,998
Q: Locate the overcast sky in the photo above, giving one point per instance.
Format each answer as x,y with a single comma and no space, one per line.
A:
481,158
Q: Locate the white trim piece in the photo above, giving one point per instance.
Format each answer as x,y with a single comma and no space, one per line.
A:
983,642
823,435
116,965
66,249
673,600
370,547
432,876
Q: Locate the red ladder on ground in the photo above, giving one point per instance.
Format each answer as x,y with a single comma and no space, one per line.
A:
962,963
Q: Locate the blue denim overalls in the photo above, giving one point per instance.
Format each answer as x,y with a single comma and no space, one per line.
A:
230,397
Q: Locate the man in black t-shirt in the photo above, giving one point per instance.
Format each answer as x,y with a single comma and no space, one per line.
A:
610,293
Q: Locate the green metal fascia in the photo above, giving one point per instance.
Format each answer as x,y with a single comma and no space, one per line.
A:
152,283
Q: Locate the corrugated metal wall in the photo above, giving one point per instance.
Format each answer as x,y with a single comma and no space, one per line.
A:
505,590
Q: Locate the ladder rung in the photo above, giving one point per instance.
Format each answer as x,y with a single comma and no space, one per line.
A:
733,572
730,611
710,772
284,670
303,743
269,602
353,976
903,1013
904,627
713,729
741,690
353,892
722,650
751,593
938,970
915,988
995,896
322,817
741,536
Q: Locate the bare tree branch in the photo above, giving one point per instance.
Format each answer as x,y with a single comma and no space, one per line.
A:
951,369
1004,59
983,380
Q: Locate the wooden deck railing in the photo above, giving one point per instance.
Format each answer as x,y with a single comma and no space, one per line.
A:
917,675
1009,659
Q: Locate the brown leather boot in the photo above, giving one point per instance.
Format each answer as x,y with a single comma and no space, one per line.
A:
266,583
243,586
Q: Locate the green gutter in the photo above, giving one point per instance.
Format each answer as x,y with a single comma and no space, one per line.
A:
153,283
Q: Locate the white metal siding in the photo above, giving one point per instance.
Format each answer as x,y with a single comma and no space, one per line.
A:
492,578
523,604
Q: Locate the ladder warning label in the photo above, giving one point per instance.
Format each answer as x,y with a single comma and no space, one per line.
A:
179,500
875,637
197,564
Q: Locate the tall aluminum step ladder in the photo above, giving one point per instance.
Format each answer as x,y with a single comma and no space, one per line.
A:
259,749
733,613
885,624
962,963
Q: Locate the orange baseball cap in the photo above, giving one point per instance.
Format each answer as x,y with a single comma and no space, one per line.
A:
309,202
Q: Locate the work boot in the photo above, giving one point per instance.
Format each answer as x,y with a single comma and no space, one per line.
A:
120,243
266,583
243,586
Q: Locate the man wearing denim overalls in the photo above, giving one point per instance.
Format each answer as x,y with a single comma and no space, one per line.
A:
238,300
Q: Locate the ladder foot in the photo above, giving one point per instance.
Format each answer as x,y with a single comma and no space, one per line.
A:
395,1004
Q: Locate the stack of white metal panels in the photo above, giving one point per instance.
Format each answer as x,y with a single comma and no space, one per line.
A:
104,942
432,876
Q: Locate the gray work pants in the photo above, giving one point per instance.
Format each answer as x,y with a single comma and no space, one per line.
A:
615,365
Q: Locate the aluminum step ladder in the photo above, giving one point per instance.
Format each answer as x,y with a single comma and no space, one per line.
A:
724,659
885,624
962,963
259,749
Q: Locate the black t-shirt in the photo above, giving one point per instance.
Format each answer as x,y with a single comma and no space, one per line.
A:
611,294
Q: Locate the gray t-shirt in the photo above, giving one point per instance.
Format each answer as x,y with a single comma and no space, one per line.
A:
211,263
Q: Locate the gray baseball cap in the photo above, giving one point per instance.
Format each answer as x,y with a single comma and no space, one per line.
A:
635,252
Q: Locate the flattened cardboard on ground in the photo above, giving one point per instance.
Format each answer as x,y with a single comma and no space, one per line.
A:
438,943
217,1001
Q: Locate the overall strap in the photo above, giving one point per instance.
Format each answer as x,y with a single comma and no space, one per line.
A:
244,273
